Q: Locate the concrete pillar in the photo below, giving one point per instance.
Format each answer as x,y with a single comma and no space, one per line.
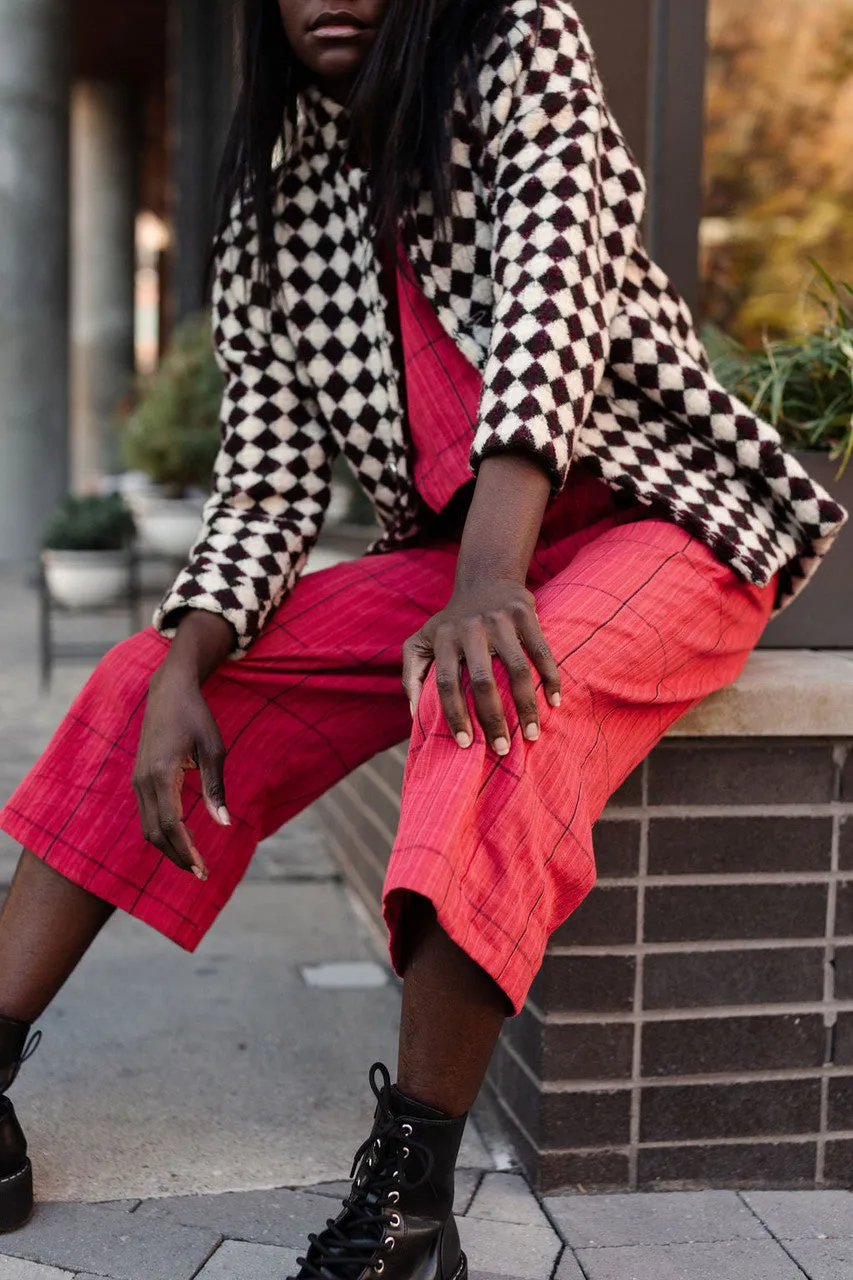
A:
678,139
34,50
103,210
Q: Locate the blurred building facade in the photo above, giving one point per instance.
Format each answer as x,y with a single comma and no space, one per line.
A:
112,123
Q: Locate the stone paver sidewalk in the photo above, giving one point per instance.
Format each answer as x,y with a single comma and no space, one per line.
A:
506,1231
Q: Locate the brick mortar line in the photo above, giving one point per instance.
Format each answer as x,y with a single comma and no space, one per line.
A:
503,1105
775,1075
362,889
689,1014
706,879
707,1079
621,1148
335,808
639,975
350,790
369,771
761,1140
355,885
831,1017
815,809
690,948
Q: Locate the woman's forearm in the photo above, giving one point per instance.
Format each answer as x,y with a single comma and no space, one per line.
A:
504,521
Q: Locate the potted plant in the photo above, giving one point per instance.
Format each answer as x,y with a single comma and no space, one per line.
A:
172,434
804,386
85,550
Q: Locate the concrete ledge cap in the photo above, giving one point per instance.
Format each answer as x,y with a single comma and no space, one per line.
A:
784,693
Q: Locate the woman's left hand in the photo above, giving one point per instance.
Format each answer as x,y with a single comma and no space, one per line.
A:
492,618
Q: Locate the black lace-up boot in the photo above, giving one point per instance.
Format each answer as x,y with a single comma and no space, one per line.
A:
397,1221
16,1174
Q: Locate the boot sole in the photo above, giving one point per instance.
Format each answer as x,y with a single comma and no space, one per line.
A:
16,1199
462,1272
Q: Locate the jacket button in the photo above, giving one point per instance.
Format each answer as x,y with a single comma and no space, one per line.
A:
392,467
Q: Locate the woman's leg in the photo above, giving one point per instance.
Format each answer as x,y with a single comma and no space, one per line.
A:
46,926
453,1013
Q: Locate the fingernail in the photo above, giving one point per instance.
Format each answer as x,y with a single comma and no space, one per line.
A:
464,739
555,699
224,816
501,746
412,709
531,733
200,875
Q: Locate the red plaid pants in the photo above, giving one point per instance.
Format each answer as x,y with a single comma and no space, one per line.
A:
642,619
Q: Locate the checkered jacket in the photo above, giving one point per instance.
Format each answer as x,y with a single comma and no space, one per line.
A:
585,349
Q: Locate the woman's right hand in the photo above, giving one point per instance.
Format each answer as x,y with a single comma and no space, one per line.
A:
179,733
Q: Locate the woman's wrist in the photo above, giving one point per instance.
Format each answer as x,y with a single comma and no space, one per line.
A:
480,567
202,643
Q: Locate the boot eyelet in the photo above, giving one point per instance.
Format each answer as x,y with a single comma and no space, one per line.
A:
389,1243
393,1197
405,1153
395,1221
407,1131
379,1267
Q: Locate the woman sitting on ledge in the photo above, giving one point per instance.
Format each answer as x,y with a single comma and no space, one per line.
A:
429,260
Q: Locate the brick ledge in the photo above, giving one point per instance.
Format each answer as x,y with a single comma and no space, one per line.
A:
782,693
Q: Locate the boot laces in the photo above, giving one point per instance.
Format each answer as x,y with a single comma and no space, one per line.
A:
29,1049
380,1176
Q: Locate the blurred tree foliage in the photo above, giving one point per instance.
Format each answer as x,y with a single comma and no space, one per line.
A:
779,162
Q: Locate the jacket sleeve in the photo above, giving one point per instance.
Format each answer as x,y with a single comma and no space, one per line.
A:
273,471
566,207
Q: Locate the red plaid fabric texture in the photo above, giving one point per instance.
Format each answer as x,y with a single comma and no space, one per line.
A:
644,623
443,392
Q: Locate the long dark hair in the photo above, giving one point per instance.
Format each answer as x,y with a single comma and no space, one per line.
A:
400,107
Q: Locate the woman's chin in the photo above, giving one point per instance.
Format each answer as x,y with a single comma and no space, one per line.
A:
337,65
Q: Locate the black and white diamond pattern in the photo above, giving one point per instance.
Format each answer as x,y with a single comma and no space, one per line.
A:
586,349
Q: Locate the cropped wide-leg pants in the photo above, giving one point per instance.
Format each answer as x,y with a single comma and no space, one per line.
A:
642,619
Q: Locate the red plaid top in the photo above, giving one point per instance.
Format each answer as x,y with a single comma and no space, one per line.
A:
443,390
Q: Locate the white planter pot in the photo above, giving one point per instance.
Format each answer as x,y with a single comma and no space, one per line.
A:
169,526
86,579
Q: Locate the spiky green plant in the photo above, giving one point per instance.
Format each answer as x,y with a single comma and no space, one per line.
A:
803,385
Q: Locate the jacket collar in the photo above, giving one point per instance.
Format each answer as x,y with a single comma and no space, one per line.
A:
325,124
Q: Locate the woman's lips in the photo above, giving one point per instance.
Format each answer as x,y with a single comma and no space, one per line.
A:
338,25
338,31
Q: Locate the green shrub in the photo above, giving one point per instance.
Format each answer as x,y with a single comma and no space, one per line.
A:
804,386
91,523
173,432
